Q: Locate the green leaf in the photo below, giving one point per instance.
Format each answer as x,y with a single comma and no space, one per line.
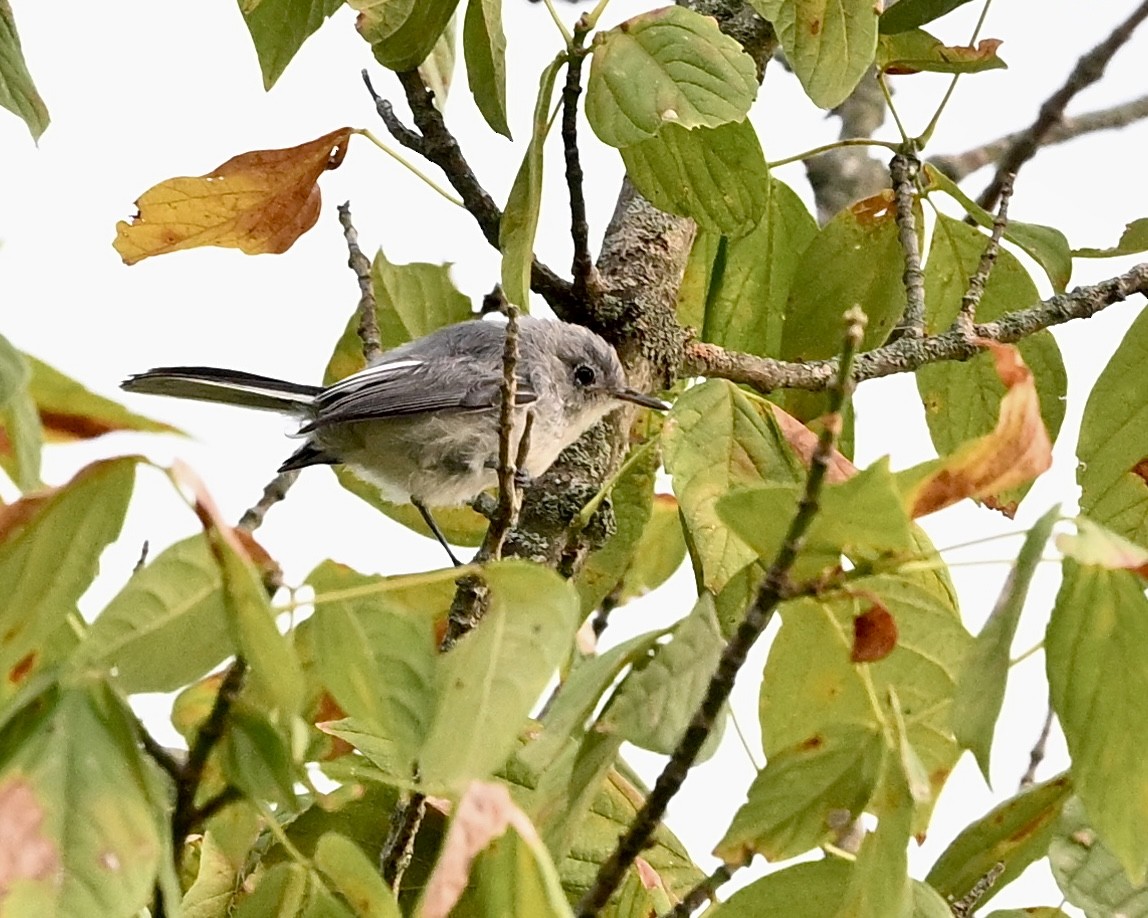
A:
1087,872
655,703
355,877
916,51
791,800
279,27
484,49
75,799
1034,911
716,439
666,66
717,176
810,890
828,43
290,891
809,683
256,758
632,499
981,688
168,625
489,682
50,546
1047,246
640,895
437,69
1014,833
1096,637
402,33
1133,240
17,92
1114,440
910,14
879,884
855,259
658,555
519,223
377,660
411,301
735,290
21,436
963,402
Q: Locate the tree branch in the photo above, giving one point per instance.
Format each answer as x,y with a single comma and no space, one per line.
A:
359,263
1036,756
958,165
703,892
769,595
903,171
437,144
1087,71
581,267
967,317
906,355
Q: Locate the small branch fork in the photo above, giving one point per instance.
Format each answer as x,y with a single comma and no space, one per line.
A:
903,170
434,141
906,354
773,590
1087,71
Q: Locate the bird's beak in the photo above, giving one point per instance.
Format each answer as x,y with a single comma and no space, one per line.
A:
639,398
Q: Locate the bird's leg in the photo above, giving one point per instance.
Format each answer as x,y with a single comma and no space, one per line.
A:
429,520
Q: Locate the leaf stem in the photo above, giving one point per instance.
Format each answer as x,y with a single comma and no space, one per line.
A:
566,36
836,145
927,134
402,160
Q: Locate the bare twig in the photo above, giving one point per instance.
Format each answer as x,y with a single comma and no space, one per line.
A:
1037,755
436,143
963,907
509,502
582,267
702,893
274,492
399,847
906,355
359,263
186,815
903,171
958,165
1087,71
967,317
160,754
770,593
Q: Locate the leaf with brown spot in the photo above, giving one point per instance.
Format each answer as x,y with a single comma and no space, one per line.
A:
26,853
1017,450
874,635
258,202
917,51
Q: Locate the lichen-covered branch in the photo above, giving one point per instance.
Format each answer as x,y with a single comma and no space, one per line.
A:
903,171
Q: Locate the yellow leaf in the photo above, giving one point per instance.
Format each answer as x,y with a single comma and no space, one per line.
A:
259,202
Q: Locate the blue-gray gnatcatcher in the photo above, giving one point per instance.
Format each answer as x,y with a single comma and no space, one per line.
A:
421,422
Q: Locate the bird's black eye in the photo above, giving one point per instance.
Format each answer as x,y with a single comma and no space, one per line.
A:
584,375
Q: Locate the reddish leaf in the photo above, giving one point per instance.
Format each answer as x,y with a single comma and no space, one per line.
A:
258,202
874,635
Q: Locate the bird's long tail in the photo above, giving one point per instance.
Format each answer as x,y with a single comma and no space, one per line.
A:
228,387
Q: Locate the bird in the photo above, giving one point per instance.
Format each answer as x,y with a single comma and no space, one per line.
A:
421,421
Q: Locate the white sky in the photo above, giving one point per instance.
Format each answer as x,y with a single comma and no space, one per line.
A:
141,91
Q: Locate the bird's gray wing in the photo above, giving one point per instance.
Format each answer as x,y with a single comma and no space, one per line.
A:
404,387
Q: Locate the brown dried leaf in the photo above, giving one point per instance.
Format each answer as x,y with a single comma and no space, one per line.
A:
483,814
874,635
1017,450
258,202
804,443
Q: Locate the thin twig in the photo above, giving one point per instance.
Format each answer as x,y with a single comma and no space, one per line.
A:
703,892
437,144
274,492
769,594
582,266
160,754
142,558
906,355
185,816
967,317
399,847
229,795
903,171
1038,751
963,907
359,263
509,500
1087,71
958,165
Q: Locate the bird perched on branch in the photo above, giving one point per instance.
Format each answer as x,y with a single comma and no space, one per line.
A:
422,421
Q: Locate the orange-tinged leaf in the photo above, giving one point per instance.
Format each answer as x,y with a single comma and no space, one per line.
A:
258,202
874,635
1017,450
804,443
